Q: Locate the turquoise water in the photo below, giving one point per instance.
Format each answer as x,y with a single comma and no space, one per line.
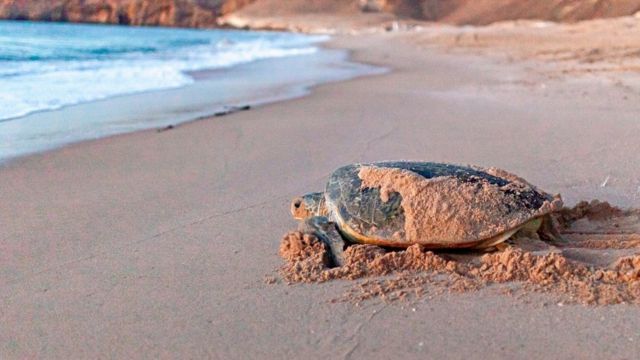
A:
64,83
47,65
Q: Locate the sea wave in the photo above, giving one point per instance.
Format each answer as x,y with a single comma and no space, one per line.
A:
38,73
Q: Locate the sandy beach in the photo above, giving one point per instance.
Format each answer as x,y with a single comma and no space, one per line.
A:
157,245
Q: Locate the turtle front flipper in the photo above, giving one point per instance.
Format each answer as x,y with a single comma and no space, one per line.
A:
327,232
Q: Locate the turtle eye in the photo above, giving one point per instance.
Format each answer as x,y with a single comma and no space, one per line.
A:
297,204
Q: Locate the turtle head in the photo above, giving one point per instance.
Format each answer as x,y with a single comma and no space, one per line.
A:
308,205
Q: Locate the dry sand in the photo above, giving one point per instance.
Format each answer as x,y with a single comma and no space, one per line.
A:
583,51
155,244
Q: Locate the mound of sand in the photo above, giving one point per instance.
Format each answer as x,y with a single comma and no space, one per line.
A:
563,271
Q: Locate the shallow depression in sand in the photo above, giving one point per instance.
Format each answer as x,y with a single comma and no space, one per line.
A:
599,264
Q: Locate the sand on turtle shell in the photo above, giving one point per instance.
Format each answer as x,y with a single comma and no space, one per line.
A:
446,210
536,265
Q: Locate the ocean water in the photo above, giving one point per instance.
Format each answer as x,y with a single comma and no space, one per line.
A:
47,66
64,83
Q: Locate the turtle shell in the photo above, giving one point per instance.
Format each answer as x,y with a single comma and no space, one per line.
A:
400,203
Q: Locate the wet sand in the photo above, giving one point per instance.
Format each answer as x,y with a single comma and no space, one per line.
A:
152,244
215,91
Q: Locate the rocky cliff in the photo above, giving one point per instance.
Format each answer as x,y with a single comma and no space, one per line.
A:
203,13
185,13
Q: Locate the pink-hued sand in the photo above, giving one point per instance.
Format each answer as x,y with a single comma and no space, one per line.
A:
157,245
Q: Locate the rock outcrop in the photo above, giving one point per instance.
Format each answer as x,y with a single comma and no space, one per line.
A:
183,13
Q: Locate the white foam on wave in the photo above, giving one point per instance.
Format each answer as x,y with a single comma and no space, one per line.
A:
27,87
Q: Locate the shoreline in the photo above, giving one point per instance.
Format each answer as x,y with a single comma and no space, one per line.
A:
159,243
185,104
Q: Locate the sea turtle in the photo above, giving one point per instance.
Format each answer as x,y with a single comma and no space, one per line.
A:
397,204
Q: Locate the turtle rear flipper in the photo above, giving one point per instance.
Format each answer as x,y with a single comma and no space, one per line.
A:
327,232
549,232
538,235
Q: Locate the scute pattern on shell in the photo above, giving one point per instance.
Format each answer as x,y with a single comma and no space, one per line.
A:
404,203
362,209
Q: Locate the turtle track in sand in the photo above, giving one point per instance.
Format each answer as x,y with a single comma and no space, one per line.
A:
599,264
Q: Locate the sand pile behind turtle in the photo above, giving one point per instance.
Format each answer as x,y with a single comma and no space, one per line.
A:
530,263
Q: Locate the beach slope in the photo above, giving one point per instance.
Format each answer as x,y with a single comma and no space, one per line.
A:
157,244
